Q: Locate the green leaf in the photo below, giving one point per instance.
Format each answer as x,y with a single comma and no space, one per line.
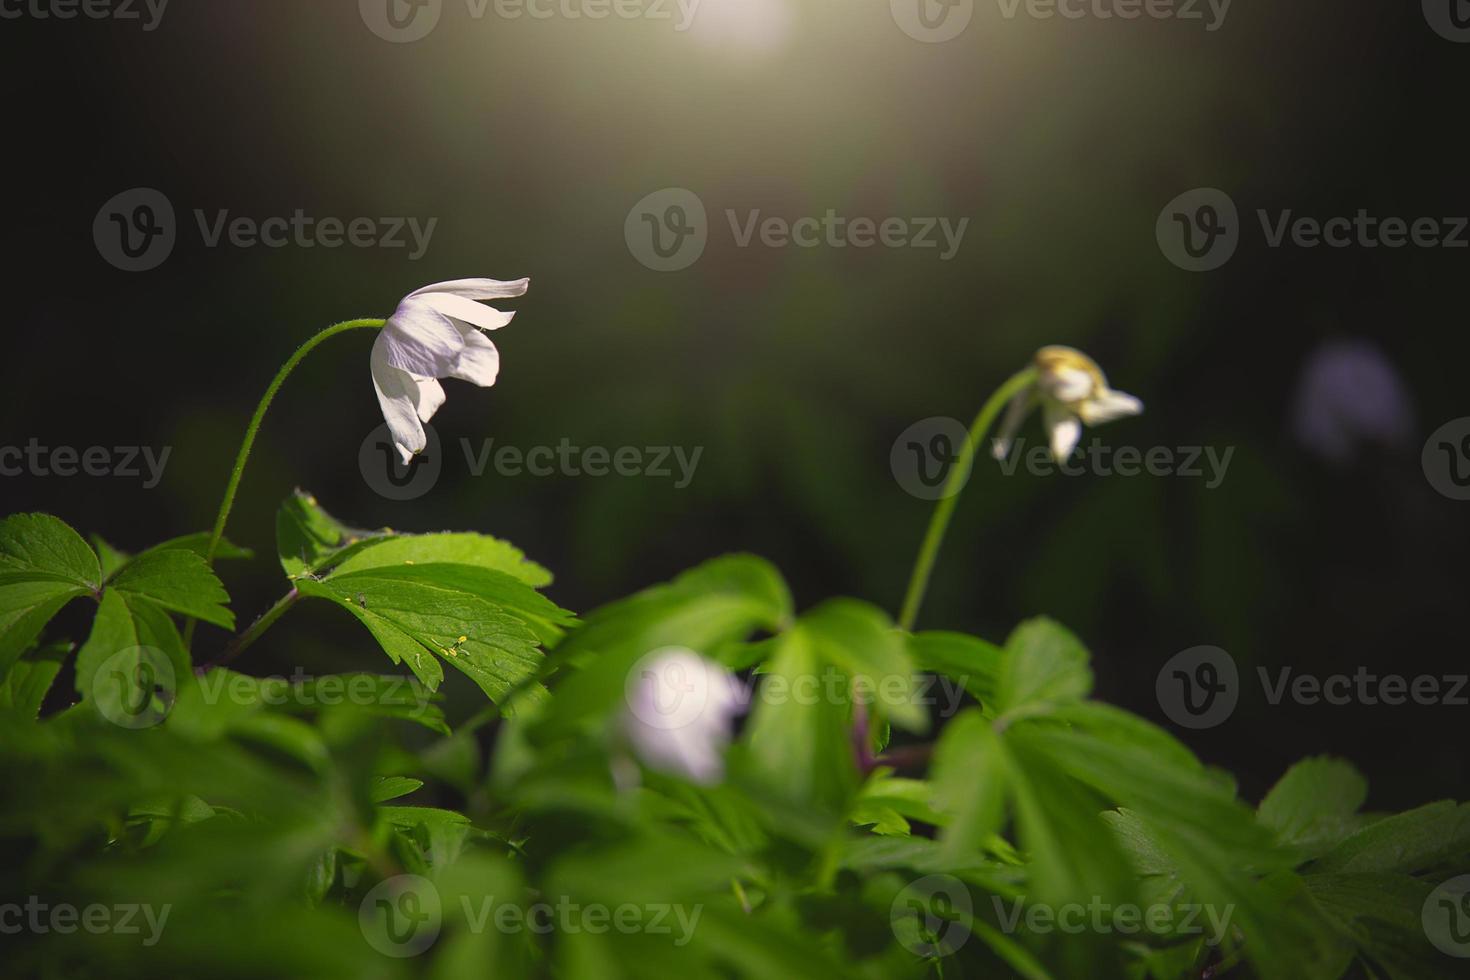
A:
115,559
969,777
308,538
706,609
449,548
387,788
798,735
25,687
485,623
44,545
44,564
861,640
1418,840
178,580
132,642
974,662
1044,665
1315,803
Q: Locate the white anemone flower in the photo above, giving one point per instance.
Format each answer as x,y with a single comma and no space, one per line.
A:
436,332
1072,391
681,710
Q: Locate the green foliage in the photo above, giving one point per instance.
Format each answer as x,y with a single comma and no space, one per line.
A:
284,823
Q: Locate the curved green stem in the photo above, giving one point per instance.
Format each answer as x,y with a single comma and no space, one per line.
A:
250,430
243,456
953,484
239,644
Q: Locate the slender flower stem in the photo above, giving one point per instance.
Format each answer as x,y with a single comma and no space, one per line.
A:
959,472
238,644
250,430
243,456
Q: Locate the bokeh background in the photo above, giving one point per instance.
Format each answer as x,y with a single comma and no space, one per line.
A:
795,369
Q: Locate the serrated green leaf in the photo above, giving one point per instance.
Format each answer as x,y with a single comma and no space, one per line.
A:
24,689
446,548
1044,665
973,662
131,641
178,580
490,634
1315,803
862,641
1418,840
308,538
44,564
387,788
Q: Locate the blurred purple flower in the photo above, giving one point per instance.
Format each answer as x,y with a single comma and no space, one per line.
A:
1349,394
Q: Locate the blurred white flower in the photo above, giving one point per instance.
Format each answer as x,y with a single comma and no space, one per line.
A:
681,707
436,333
1072,391
1349,394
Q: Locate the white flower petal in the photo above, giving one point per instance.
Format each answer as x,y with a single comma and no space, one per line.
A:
477,288
1107,405
468,310
1064,428
399,397
479,361
1020,406
430,397
420,340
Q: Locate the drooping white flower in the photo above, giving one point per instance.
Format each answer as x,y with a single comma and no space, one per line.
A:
436,332
1072,391
680,713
